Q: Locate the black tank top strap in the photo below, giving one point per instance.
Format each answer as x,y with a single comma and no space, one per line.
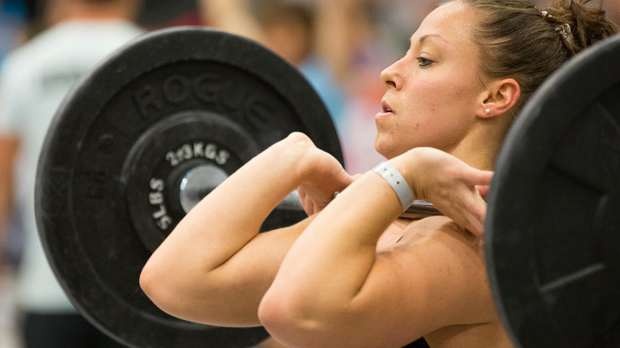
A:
421,343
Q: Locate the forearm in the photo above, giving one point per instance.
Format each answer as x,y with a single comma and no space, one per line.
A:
336,254
231,215
336,33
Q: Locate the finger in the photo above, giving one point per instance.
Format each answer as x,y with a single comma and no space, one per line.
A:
478,206
472,210
307,204
477,228
302,198
315,207
483,190
345,179
475,177
478,216
472,223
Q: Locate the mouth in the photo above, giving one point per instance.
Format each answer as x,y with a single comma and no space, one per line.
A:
386,108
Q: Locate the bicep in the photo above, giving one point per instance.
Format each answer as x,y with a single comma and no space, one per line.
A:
423,286
256,264
233,291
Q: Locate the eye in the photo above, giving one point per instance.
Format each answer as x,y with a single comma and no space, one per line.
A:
424,62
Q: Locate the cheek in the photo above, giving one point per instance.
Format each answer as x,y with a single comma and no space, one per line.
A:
441,97
438,111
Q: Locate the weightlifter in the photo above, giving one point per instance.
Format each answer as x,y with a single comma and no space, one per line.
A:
353,274
33,81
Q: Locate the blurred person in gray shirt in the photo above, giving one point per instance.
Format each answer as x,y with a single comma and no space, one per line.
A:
33,81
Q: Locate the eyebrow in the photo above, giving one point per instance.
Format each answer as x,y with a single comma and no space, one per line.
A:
425,37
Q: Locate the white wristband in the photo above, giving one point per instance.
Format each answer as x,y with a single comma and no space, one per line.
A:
397,182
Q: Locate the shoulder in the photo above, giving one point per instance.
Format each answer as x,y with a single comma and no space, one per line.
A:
439,229
433,278
443,254
438,255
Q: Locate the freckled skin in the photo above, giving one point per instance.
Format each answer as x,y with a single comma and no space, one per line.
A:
433,105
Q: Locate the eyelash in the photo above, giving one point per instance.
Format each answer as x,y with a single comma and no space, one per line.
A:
424,62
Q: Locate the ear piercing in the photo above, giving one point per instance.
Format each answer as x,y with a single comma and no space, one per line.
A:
487,110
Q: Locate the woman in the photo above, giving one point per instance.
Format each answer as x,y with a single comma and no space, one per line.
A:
353,274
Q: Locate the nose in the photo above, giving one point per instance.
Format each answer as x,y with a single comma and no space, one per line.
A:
392,77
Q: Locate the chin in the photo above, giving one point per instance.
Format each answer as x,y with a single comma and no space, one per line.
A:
385,148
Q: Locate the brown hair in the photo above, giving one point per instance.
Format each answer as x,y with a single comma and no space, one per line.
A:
521,41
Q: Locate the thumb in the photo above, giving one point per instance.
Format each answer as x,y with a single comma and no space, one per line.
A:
345,178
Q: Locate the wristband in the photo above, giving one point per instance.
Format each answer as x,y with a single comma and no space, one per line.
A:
397,182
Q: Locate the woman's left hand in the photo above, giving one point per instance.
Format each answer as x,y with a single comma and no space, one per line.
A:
321,177
455,188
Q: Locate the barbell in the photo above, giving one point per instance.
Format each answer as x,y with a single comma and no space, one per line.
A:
167,118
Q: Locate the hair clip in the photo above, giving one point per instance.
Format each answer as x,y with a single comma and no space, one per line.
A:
566,31
545,14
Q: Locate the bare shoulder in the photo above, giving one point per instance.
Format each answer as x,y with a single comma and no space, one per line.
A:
437,252
433,278
439,229
454,258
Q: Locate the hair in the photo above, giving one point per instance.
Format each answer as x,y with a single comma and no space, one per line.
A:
522,41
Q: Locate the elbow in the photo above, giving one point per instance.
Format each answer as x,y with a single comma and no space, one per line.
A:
285,324
297,325
182,296
156,288
166,292
148,279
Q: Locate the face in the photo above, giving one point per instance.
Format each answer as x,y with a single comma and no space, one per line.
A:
433,91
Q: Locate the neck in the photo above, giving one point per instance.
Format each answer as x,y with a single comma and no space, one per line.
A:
482,143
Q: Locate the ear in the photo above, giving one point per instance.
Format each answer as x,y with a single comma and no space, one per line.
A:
498,98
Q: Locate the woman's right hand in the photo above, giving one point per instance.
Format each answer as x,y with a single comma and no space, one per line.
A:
322,176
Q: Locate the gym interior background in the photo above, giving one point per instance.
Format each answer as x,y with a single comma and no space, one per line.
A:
377,34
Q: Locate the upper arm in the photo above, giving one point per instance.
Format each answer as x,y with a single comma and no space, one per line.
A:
429,283
230,294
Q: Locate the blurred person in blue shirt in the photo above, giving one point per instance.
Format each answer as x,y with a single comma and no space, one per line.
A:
289,28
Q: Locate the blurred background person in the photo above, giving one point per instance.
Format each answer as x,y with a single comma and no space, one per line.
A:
335,44
289,28
12,16
33,80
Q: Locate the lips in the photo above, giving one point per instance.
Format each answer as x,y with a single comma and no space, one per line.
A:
386,108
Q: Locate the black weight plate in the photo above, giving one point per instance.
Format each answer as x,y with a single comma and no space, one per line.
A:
220,89
553,228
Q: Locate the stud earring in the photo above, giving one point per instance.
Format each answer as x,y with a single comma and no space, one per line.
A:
487,110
